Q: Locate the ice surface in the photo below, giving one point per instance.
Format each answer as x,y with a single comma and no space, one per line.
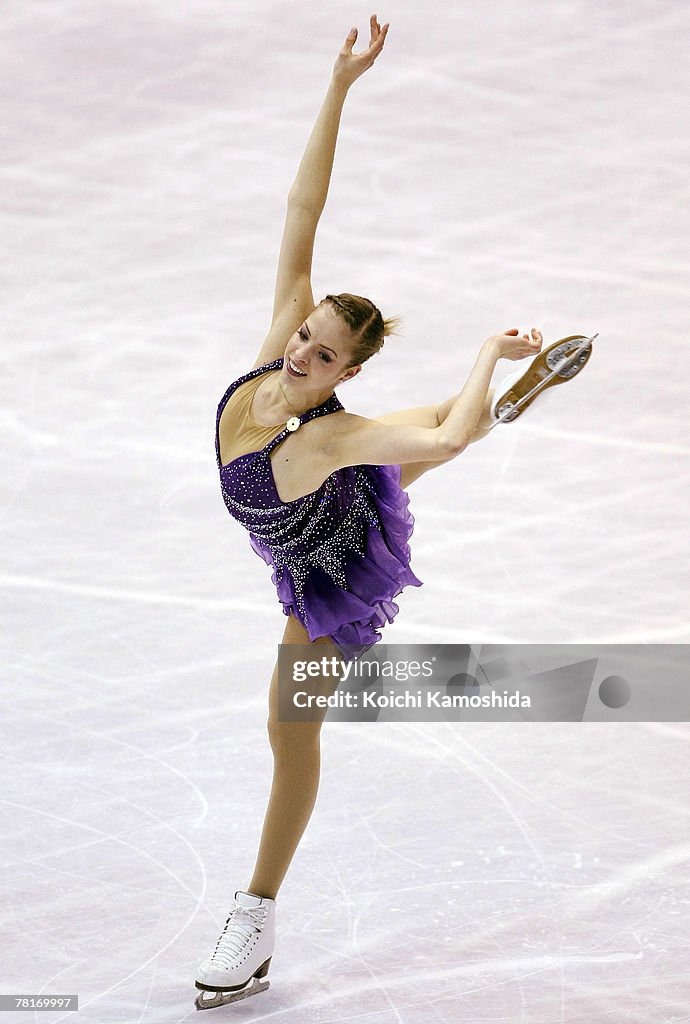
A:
501,165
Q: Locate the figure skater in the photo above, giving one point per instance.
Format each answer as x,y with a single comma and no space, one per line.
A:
322,493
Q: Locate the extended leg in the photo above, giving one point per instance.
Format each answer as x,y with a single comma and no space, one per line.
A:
485,421
411,471
296,769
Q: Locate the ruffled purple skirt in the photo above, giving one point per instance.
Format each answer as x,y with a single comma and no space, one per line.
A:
375,565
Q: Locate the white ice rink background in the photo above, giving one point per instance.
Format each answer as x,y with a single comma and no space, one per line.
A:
503,165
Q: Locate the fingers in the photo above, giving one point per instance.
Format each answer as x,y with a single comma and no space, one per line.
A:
376,40
377,35
375,30
536,338
350,41
381,38
523,345
534,342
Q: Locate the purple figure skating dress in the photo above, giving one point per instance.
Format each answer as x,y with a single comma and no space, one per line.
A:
340,554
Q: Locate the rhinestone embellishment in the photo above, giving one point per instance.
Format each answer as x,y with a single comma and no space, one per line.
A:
326,546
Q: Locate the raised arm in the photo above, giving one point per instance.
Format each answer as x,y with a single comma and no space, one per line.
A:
293,299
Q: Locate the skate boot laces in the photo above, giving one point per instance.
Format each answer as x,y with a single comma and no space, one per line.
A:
242,924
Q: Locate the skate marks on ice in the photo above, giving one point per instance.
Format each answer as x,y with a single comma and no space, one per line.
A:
135,657
118,850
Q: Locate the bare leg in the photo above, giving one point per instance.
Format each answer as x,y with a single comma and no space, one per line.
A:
296,769
411,471
485,421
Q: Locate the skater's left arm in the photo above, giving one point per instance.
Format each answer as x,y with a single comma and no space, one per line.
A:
293,299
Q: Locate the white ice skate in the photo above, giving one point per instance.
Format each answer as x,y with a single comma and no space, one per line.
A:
242,955
558,363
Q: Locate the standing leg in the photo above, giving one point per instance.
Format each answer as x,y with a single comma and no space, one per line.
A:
238,965
296,769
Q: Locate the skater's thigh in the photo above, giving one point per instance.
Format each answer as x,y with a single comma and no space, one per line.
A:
323,684
295,633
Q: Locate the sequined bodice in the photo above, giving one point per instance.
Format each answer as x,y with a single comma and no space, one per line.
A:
258,472
339,554
315,530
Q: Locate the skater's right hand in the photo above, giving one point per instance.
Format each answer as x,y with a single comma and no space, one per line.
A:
510,346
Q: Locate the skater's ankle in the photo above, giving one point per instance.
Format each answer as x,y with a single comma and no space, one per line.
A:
263,894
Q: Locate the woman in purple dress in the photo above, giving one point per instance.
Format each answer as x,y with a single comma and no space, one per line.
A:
322,493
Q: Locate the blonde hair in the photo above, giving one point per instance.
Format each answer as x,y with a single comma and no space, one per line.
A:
366,323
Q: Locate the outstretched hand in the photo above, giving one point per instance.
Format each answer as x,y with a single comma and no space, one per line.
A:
510,346
349,66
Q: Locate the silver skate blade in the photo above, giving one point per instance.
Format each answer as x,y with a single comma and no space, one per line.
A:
563,365
208,1000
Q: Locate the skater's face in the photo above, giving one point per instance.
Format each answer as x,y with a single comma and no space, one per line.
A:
321,348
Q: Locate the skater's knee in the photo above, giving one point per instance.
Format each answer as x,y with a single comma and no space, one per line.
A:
292,740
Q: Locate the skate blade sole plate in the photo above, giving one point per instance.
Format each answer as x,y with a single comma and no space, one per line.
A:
542,366
207,999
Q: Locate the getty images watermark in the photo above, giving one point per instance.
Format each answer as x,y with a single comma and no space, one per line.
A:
486,682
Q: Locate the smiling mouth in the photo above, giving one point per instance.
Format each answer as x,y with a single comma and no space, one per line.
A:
292,369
